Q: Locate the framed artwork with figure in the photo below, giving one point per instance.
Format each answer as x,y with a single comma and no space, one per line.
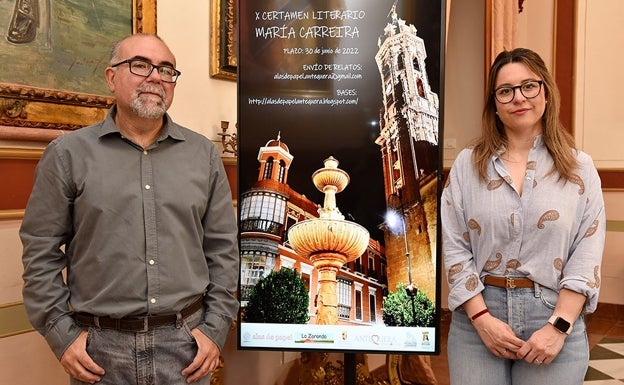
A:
53,54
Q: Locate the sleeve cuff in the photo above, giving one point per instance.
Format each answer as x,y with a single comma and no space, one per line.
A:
216,328
62,334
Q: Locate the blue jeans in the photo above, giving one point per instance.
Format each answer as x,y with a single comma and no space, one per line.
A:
525,310
155,357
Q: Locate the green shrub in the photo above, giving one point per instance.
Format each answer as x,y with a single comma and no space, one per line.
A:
280,297
401,309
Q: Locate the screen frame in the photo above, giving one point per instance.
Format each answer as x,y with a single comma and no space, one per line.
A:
335,331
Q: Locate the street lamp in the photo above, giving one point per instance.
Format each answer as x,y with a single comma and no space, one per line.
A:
395,222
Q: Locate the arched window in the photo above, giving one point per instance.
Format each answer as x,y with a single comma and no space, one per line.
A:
344,297
421,88
268,168
282,171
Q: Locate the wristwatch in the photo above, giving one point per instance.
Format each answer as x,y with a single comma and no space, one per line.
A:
560,324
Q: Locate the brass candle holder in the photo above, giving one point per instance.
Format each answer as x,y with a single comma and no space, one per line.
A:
228,141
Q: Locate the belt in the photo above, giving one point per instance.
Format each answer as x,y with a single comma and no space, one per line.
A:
137,324
508,282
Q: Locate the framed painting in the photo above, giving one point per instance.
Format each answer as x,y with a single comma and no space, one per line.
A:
223,58
53,55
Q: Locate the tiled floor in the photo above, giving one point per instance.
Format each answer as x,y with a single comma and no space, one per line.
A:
604,328
606,363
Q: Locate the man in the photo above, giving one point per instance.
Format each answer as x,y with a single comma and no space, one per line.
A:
138,211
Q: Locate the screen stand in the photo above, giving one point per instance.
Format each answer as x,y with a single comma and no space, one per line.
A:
350,369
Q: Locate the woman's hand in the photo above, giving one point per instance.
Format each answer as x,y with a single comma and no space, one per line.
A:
498,336
543,346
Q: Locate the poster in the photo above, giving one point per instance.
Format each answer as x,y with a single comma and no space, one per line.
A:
340,123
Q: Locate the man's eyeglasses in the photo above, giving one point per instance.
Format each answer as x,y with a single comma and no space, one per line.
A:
529,90
144,68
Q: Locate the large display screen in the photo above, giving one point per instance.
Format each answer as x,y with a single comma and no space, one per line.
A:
339,157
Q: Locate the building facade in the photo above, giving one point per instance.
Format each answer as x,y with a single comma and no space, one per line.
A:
268,210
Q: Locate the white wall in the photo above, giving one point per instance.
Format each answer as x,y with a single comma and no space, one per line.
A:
25,359
464,76
200,102
598,117
599,112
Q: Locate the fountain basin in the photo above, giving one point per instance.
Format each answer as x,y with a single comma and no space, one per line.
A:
314,237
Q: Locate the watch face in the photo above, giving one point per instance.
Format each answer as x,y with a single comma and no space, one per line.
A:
561,324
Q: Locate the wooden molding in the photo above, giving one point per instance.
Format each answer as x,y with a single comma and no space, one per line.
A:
612,180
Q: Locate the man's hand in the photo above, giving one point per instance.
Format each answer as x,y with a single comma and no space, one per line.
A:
77,362
206,360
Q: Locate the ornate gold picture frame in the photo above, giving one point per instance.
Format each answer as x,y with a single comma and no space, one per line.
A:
223,44
32,113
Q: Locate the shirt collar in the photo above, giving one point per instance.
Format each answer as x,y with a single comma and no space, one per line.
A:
170,129
538,141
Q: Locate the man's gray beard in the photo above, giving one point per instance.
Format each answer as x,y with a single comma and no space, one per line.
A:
147,110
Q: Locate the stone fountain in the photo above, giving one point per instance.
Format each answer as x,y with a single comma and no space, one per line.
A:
328,241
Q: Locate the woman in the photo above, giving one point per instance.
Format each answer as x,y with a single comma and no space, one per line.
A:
523,227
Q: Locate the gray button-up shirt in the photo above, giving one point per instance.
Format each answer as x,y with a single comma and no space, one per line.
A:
139,231
553,233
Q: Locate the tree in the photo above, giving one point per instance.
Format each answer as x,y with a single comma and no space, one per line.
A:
402,309
280,297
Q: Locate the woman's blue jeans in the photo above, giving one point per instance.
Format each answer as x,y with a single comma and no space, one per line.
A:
525,310
155,357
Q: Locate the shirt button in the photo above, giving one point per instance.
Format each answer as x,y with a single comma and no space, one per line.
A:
147,187
151,262
144,152
153,300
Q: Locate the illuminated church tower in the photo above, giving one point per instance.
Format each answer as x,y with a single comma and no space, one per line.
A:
409,148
